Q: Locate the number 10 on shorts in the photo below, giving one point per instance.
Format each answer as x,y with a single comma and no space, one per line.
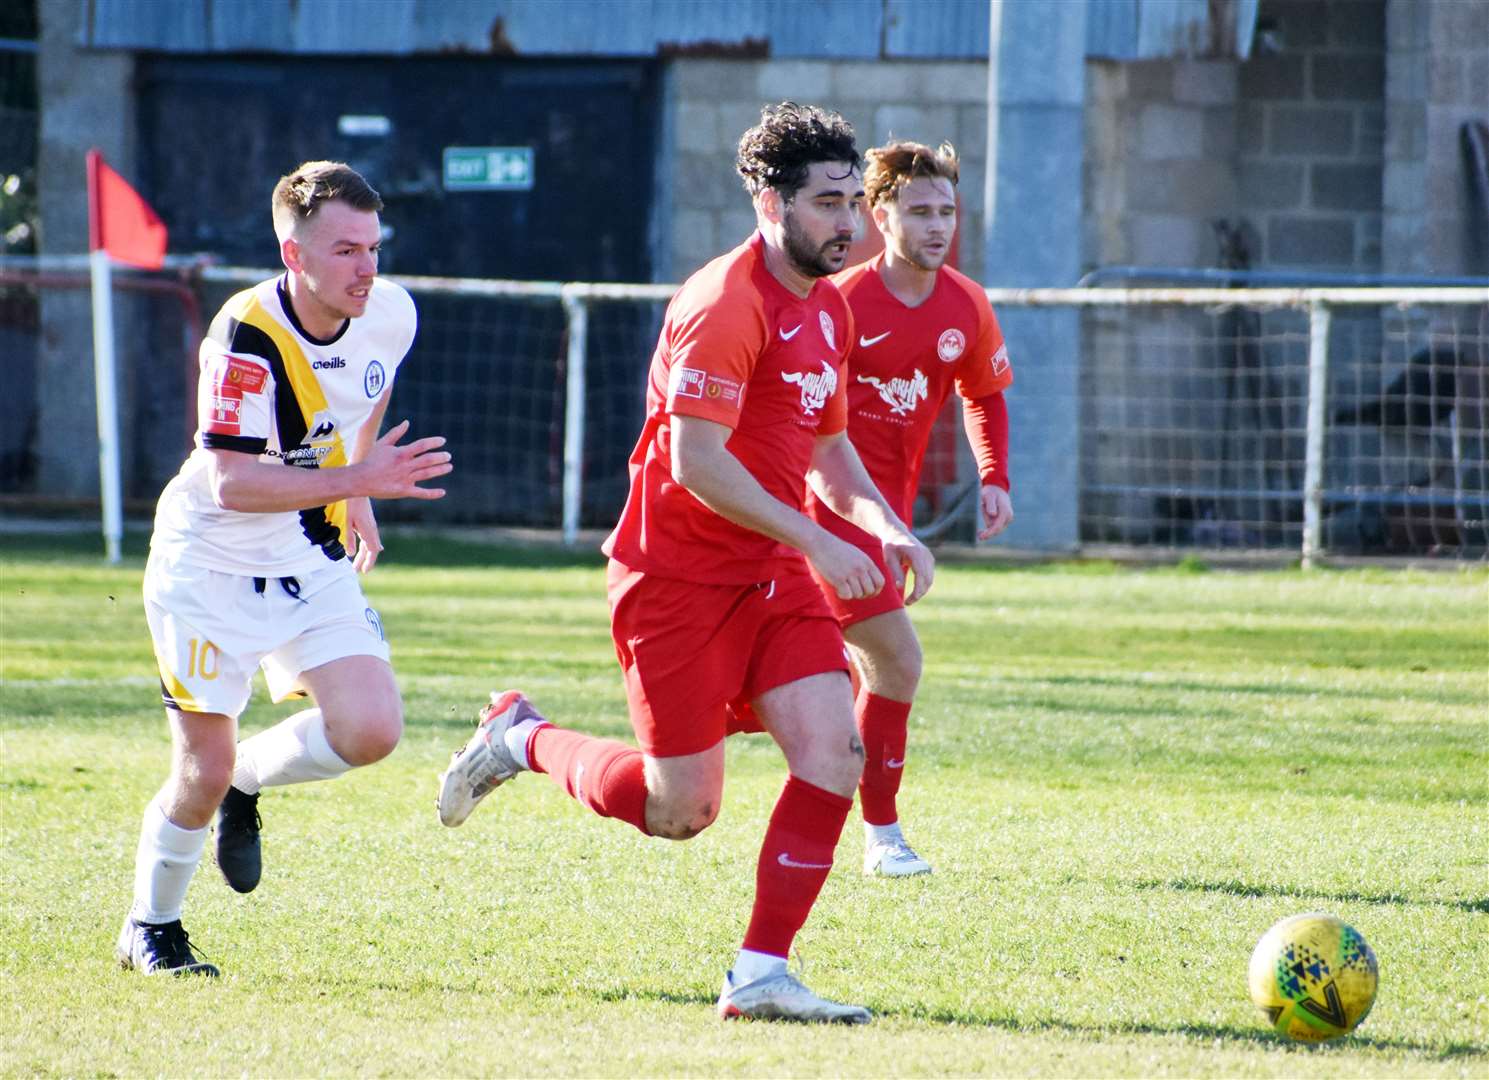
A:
202,659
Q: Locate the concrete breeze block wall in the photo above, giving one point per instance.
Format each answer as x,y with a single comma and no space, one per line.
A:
1310,137
711,102
1437,78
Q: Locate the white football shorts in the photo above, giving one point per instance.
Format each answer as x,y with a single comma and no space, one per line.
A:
211,630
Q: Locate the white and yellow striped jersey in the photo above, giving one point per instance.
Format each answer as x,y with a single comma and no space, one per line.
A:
269,388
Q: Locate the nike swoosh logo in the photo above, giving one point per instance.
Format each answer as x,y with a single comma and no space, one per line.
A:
894,763
865,342
788,335
787,860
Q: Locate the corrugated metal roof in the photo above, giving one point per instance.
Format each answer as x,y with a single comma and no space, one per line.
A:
951,29
1163,29
820,29
781,28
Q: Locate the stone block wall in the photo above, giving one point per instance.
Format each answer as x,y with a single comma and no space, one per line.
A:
1310,143
1437,79
711,102
1160,160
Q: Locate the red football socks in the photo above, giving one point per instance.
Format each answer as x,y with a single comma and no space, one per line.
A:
882,724
607,776
794,861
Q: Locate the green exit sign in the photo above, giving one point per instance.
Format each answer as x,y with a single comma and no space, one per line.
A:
488,168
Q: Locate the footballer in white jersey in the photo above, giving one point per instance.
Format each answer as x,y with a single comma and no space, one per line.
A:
257,544
269,388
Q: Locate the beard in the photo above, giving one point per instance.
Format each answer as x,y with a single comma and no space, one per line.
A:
812,261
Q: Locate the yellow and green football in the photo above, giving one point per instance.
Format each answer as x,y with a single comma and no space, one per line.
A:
1313,977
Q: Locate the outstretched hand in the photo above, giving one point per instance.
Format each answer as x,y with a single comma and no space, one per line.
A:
391,471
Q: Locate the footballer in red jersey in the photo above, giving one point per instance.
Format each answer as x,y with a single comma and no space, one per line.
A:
718,620
922,330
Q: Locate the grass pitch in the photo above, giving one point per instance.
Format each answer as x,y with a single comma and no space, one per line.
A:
1122,777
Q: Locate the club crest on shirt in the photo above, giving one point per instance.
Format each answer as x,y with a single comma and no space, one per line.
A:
827,331
374,379
816,386
951,344
901,395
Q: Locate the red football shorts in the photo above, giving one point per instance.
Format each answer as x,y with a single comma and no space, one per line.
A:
695,656
848,612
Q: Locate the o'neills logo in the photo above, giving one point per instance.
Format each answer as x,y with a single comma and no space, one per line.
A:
816,386
901,395
328,365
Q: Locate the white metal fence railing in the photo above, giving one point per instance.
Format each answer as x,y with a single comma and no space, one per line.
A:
1315,421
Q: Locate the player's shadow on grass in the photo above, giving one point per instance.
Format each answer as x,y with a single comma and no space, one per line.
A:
661,997
1433,696
959,1018
1241,888
1212,1032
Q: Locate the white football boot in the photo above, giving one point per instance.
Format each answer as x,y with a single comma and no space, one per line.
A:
891,856
782,996
484,763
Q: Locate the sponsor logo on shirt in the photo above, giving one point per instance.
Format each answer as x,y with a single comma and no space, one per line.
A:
374,379
951,344
1000,360
865,342
816,386
304,457
685,382
244,376
827,330
901,395
332,364
787,335
322,427
233,380
227,409
721,388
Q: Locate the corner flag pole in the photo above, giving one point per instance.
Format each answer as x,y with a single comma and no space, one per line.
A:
105,374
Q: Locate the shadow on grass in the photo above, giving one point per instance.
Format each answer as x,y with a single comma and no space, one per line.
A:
1257,1036
660,997
1241,888
1309,690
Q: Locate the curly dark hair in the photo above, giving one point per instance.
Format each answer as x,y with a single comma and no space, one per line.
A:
895,164
789,140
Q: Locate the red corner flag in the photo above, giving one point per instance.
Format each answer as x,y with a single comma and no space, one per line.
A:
119,221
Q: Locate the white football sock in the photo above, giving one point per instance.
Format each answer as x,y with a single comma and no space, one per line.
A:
751,966
163,864
873,833
293,751
516,736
